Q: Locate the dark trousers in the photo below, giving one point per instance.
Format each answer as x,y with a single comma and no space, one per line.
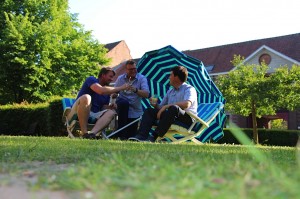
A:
123,120
169,116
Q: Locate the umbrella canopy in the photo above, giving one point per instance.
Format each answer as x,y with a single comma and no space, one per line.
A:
156,66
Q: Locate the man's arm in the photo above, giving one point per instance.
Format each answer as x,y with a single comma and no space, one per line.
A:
183,105
107,90
189,96
144,91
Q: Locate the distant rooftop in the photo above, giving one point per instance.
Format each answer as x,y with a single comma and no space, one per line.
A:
110,46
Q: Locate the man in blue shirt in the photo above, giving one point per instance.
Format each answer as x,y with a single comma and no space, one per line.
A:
181,97
92,101
129,101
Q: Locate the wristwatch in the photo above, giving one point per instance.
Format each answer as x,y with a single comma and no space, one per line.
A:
136,90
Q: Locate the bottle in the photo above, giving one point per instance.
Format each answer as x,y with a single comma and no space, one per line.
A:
112,99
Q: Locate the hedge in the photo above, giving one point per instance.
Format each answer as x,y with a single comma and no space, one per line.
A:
271,137
45,119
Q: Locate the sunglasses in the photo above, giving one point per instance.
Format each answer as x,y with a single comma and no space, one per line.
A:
131,69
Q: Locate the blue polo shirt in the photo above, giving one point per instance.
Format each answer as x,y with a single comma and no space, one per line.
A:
97,100
135,104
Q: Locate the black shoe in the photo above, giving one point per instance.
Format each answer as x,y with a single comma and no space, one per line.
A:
123,138
150,138
89,136
138,138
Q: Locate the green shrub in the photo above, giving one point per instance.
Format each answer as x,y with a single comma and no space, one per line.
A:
32,119
271,137
279,124
46,119
55,114
24,119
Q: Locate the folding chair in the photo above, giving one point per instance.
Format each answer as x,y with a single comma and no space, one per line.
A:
180,132
73,123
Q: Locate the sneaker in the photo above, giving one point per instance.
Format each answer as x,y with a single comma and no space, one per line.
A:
150,138
89,136
138,138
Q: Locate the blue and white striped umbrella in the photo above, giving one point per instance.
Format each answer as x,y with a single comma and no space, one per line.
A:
156,66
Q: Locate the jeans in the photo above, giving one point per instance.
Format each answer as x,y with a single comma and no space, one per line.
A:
123,120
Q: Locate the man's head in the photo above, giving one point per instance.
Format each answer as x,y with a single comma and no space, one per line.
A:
106,75
178,75
130,68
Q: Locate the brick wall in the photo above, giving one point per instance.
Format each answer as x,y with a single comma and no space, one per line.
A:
119,54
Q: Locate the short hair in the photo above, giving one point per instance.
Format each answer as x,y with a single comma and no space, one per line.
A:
105,70
130,62
181,72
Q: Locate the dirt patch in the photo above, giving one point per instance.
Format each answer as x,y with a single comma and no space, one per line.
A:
19,184
21,191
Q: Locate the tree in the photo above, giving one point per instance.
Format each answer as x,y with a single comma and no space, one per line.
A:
288,82
249,89
44,51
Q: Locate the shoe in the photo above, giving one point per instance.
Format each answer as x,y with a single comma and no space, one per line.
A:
138,138
89,136
122,138
150,138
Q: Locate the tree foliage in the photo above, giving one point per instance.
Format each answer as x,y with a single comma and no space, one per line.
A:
250,90
44,51
288,87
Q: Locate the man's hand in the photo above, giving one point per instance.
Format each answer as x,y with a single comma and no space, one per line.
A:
161,110
110,106
153,101
113,106
125,87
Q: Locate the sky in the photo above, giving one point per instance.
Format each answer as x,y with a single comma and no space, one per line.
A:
147,25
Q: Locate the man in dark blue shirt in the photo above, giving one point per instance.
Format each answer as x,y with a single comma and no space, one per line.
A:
92,101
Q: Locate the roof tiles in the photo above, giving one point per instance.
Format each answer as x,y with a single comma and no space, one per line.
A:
220,56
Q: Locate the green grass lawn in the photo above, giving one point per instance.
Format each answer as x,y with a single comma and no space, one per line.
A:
121,169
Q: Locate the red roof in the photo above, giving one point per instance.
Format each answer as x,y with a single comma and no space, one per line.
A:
220,56
110,46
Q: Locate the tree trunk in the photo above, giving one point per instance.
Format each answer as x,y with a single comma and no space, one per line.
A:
254,123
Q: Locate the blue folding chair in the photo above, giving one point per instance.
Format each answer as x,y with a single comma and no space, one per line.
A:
180,132
73,123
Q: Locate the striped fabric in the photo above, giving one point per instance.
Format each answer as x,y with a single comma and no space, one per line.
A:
156,66
206,111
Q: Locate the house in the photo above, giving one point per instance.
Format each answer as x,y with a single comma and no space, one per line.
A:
275,51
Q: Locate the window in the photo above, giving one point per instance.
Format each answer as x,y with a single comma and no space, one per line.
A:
266,58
